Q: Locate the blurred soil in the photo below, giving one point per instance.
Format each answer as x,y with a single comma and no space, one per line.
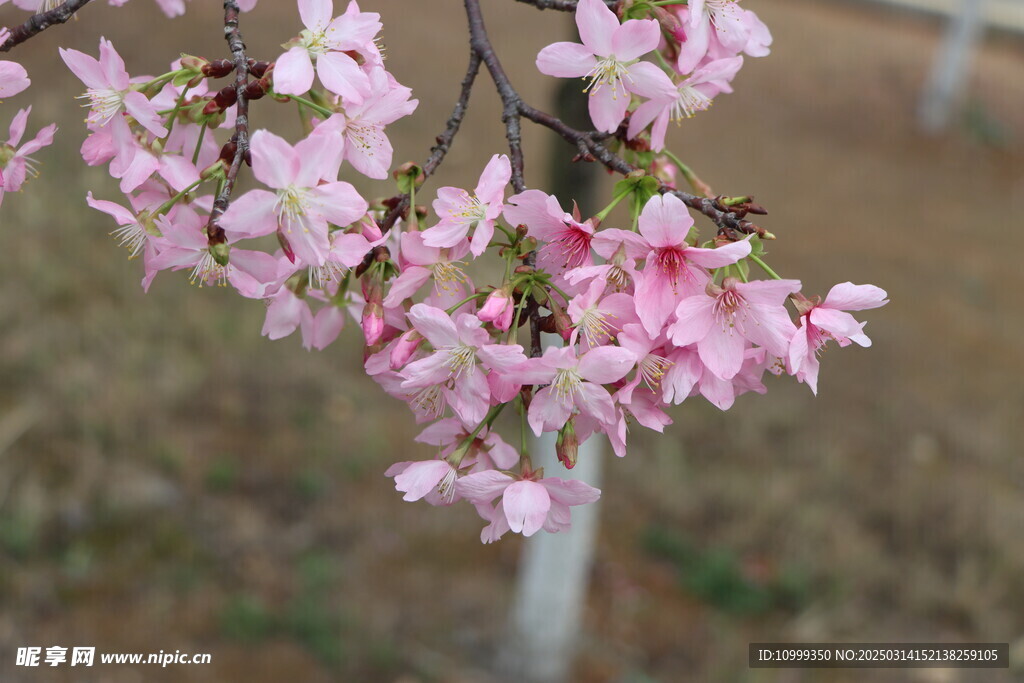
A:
171,480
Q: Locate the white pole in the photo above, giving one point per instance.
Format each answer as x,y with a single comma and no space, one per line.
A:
952,64
553,577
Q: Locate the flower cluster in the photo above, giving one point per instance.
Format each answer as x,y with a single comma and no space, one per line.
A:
698,44
158,137
647,319
644,313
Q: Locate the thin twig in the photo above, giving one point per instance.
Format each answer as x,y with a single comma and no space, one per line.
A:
444,140
560,5
510,99
241,137
42,21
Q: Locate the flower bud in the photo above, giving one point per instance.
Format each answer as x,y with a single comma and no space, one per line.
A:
567,446
498,308
404,348
373,323
218,68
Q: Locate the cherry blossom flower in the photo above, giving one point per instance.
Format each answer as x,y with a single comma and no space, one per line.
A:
528,503
367,146
15,162
422,263
575,383
109,90
829,320
691,96
724,319
566,239
674,269
301,208
608,58
459,211
324,42
461,347
13,77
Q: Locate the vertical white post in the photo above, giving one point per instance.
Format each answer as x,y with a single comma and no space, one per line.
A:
553,578
952,64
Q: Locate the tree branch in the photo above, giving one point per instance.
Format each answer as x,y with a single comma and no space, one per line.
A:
589,144
233,35
444,140
42,21
560,5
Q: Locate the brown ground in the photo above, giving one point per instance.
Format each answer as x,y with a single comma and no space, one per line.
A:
170,480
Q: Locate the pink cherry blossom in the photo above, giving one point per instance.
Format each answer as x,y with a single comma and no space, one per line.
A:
15,162
109,92
324,42
498,309
829,320
459,211
367,146
674,269
301,208
527,504
691,96
722,321
566,240
457,370
608,58
422,263
13,77
575,383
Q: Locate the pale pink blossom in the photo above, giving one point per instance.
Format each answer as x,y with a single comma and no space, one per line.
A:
300,208
16,164
566,240
421,263
459,211
829,320
109,90
674,269
722,321
574,384
457,371
528,504
691,96
324,43
609,60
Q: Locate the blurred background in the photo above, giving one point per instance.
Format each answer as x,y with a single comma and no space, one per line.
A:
169,479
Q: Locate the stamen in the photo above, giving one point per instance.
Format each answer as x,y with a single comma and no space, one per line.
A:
652,369
567,382
209,272
461,358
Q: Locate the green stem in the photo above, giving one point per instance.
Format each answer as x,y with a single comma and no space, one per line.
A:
615,202
174,114
514,330
687,172
764,266
199,144
312,105
465,301
169,204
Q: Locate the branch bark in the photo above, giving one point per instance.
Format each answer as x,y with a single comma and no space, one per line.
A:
444,140
560,5
233,35
42,21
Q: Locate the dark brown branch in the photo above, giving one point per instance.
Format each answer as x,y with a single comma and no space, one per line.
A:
589,144
444,140
510,99
241,137
42,21
560,5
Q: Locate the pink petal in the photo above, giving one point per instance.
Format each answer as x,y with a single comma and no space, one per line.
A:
526,506
565,60
665,221
597,24
721,256
342,76
482,487
274,161
293,72
606,364
847,296
607,108
251,215
339,203
434,324
635,38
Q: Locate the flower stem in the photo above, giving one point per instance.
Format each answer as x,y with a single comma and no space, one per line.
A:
764,266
